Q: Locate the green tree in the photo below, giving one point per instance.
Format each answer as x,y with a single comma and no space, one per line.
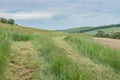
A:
100,33
10,21
116,35
3,20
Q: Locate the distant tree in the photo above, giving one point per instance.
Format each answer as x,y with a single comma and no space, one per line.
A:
116,35
100,33
3,20
10,21
107,35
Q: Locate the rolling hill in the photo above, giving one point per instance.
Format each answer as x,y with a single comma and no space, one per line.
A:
76,30
36,54
93,30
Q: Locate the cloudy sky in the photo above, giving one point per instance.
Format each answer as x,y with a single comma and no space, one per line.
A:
61,14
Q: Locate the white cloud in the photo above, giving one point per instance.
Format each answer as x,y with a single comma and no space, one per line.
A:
61,13
27,15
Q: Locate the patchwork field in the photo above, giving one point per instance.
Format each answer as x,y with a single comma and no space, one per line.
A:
33,54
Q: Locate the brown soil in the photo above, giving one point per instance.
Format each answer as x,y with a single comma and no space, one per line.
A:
113,43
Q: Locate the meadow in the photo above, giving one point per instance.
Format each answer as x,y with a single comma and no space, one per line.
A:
33,54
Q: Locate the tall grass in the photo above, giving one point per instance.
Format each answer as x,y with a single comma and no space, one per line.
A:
95,51
59,64
21,37
4,54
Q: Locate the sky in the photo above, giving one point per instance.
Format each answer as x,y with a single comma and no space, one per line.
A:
61,14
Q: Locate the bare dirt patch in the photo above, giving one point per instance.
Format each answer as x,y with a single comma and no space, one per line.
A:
113,43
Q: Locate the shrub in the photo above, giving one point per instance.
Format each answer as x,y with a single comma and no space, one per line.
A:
10,21
100,33
116,35
3,20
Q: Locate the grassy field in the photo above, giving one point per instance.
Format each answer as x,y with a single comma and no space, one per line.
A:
33,54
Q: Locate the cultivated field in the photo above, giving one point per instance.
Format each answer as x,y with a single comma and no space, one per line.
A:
33,54
113,43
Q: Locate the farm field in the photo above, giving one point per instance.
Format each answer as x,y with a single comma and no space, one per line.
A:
113,43
36,54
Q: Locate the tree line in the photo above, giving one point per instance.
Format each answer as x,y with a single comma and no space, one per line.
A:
115,35
8,21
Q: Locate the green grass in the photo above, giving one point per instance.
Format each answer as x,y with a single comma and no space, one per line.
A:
21,37
59,65
50,59
4,54
95,51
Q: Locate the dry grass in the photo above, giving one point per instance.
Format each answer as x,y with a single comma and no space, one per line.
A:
20,64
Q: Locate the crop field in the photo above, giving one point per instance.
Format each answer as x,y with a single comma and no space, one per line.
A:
36,54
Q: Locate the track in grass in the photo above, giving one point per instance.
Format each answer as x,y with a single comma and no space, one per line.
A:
21,66
98,71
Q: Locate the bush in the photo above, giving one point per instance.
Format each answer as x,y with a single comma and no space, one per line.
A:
10,21
100,33
116,35
3,20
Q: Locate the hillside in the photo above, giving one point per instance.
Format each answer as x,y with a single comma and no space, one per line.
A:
36,54
93,30
76,30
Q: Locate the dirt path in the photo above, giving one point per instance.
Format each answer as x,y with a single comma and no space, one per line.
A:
86,64
113,43
20,65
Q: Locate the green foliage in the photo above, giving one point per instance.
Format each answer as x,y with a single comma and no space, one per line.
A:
116,35
3,20
10,21
100,33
